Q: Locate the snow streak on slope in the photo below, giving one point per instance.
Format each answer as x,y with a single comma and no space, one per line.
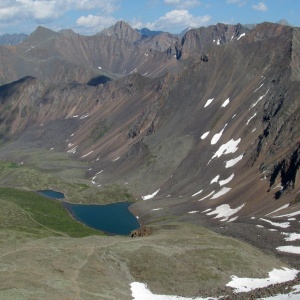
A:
276,224
220,193
147,197
207,196
199,192
278,209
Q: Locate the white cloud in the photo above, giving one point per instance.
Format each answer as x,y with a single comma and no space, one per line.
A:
260,6
97,23
104,5
50,9
178,20
183,4
237,2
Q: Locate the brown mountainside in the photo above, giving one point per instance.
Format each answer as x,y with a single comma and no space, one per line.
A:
250,125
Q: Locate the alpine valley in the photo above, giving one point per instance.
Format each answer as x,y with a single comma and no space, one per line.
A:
201,132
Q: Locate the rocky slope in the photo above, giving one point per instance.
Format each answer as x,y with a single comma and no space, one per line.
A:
254,110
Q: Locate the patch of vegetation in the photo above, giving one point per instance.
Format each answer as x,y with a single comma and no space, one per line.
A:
297,198
34,213
82,186
99,130
115,193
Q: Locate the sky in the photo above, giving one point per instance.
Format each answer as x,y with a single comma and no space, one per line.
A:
91,16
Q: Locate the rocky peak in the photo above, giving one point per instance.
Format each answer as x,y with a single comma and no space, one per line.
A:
122,30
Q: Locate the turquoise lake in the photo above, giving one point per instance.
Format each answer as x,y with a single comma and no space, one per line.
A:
114,219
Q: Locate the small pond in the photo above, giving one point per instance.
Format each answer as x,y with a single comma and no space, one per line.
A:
51,194
111,218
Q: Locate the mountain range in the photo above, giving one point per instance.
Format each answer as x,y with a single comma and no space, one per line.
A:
201,129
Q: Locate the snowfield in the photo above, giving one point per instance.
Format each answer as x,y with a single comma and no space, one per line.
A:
282,225
249,284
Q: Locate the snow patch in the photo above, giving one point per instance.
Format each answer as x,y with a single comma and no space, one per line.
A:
156,209
84,116
116,158
243,34
209,101
249,284
215,179
232,162
289,249
225,181
209,209
224,211
229,147
87,154
217,136
139,291
232,219
204,135
258,88
99,172
147,197
226,102
250,119
293,214
259,99
292,236
193,211
73,150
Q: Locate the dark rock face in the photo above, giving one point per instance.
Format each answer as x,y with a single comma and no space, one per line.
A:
142,231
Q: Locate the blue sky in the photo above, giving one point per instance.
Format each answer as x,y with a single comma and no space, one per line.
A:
91,16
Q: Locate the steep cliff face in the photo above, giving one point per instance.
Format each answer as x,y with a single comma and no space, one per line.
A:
201,39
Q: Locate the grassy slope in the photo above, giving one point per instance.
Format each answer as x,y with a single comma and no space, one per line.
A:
65,176
29,212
